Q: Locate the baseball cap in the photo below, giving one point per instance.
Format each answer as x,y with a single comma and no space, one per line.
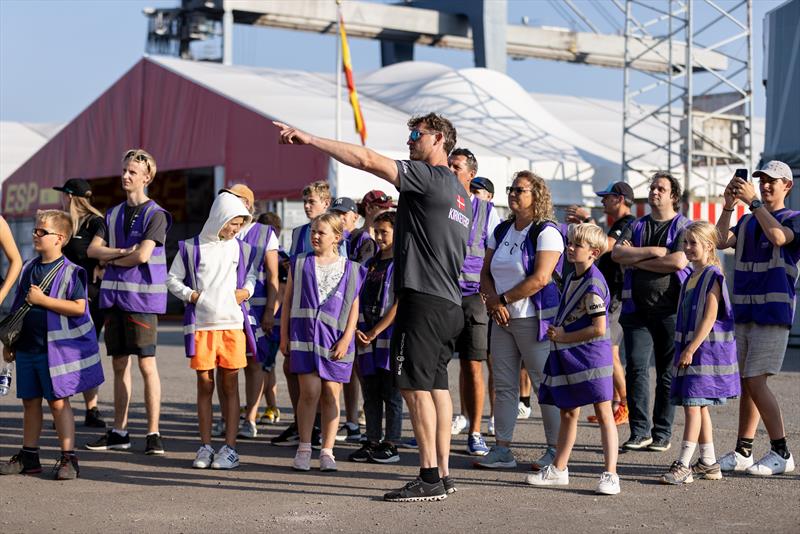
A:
775,169
479,182
617,188
76,187
241,191
343,205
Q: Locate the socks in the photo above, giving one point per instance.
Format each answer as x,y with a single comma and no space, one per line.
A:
687,451
304,447
122,433
326,452
429,475
707,453
779,446
744,446
153,434
526,401
31,450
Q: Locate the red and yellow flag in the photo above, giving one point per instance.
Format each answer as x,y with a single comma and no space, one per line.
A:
347,67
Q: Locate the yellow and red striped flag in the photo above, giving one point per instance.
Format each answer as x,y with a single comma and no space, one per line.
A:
347,67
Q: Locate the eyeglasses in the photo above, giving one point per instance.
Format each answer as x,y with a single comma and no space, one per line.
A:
416,133
41,232
382,199
517,190
135,155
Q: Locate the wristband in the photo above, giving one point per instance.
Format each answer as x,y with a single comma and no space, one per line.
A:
503,300
727,209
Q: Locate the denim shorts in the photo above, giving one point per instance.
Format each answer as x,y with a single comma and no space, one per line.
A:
697,401
33,376
272,353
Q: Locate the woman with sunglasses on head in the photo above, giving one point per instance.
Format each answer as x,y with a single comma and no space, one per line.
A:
86,219
522,299
9,247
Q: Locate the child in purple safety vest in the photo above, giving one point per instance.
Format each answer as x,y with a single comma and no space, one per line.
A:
57,354
378,308
705,371
318,324
580,366
212,274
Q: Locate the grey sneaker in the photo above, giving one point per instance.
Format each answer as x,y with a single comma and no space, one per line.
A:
659,445
677,474
545,460
498,458
449,485
709,472
417,491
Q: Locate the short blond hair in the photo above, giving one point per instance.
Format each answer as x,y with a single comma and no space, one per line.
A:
142,156
59,220
319,188
707,234
588,234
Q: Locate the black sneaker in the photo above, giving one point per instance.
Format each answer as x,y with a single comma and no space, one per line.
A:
659,445
154,445
316,438
449,485
416,491
288,438
350,432
385,453
636,443
364,453
94,419
110,441
22,463
66,467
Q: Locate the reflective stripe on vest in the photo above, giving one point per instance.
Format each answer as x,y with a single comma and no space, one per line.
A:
581,376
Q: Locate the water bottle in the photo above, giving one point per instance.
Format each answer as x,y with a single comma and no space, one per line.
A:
5,380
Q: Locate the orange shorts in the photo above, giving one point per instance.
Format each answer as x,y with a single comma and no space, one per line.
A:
223,348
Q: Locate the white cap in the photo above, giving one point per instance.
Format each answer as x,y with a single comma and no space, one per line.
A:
775,169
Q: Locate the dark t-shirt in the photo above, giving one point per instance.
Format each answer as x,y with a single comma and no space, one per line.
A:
610,269
433,221
371,296
34,326
75,250
156,229
362,253
655,292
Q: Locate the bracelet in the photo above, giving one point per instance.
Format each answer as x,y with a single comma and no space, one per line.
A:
503,300
727,209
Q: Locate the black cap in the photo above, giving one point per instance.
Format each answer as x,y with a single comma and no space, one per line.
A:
617,188
76,187
480,182
343,205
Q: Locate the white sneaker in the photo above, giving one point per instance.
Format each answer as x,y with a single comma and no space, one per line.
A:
733,461
205,455
544,460
218,429
523,412
490,427
771,464
247,430
549,476
609,484
302,460
226,458
327,463
460,423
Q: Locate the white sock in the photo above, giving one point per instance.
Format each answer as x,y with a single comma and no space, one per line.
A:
707,453
326,452
304,447
122,433
687,451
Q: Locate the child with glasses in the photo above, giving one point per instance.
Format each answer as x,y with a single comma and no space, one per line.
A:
57,354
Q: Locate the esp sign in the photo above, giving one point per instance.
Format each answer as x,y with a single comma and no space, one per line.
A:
20,198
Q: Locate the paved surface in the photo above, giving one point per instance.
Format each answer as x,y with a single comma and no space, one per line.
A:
130,492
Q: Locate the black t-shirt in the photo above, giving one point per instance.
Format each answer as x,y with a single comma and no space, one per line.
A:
655,292
156,229
371,296
433,222
34,326
75,250
365,251
610,269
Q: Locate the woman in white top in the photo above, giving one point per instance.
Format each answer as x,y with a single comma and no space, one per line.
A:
521,297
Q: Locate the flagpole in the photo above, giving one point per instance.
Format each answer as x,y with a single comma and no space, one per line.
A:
334,163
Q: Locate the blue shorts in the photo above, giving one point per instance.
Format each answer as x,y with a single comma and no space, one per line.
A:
33,376
697,401
272,353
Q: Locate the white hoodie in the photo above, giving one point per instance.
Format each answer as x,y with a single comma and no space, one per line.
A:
216,308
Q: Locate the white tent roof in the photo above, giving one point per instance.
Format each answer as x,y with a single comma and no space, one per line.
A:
19,141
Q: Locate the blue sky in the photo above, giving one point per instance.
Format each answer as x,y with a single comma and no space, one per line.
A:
57,56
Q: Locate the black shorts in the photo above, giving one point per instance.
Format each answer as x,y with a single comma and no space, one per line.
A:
130,333
472,342
424,337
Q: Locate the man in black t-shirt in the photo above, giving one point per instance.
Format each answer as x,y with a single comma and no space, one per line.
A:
430,241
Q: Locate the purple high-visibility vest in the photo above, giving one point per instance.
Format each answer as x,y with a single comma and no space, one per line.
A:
139,289
545,301
470,277
301,240
679,222
581,373
313,327
714,372
73,356
376,355
764,275
190,254
258,237
354,245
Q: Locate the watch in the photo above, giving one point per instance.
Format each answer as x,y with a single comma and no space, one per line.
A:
503,300
754,205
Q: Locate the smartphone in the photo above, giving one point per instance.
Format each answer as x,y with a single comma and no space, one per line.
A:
741,173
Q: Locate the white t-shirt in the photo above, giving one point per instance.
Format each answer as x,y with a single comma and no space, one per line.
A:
507,268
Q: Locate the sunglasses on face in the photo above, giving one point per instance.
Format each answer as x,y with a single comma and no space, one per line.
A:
41,232
516,190
416,134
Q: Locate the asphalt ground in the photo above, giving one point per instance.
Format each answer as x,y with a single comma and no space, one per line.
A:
130,492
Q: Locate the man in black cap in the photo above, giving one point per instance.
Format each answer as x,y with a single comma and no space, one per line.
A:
483,188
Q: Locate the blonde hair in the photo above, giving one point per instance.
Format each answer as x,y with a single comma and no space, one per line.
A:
334,220
542,207
319,188
588,234
80,209
142,156
706,234
60,220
